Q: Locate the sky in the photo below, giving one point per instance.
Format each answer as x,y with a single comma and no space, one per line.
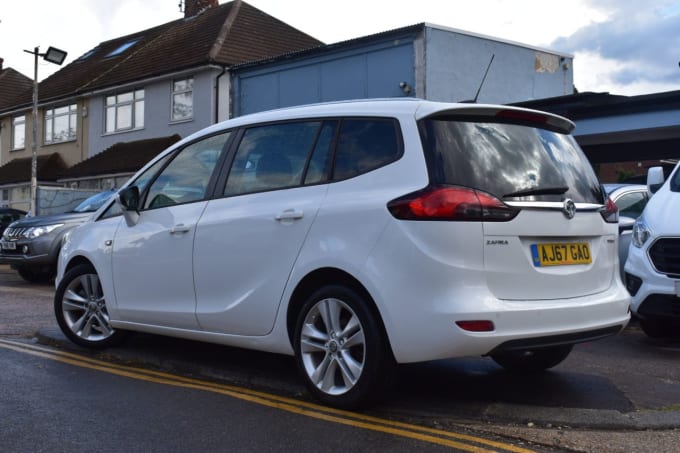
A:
625,47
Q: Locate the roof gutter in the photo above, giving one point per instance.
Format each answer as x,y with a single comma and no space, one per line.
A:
109,89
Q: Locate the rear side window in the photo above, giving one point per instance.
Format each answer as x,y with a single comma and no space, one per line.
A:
364,145
276,156
513,162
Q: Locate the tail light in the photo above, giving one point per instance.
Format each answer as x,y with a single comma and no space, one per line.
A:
610,213
452,204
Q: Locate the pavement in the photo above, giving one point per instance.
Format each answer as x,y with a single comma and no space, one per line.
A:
623,383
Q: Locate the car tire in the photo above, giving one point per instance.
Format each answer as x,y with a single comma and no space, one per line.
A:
80,309
32,275
655,328
532,360
340,348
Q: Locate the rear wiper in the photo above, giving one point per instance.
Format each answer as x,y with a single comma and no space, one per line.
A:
556,190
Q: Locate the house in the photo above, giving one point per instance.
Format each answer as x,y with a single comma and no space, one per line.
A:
424,60
164,81
13,85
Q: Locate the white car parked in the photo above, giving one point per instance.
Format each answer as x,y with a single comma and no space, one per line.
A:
653,265
356,235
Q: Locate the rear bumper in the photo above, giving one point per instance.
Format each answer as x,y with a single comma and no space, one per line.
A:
557,340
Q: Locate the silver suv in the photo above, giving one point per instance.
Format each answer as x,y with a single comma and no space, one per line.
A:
31,245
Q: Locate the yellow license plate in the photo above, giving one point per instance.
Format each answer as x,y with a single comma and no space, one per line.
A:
561,254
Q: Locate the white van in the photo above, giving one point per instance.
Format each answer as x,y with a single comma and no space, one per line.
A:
653,267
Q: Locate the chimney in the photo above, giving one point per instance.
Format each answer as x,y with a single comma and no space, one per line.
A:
193,7
1,61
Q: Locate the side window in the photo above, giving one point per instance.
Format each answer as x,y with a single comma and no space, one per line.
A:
186,177
632,204
364,145
274,157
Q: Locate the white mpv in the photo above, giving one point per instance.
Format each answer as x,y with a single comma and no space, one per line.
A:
356,235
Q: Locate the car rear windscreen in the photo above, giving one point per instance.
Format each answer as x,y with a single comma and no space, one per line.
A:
513,162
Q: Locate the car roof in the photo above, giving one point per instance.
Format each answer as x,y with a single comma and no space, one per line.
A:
418,108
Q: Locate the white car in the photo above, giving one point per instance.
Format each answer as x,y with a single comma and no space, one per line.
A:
356,235
653,265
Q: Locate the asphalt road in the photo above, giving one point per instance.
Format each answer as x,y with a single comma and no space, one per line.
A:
617,394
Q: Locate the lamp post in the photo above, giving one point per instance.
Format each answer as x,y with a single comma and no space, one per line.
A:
56,56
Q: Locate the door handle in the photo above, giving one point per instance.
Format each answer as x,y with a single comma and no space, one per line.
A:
180,229
290,214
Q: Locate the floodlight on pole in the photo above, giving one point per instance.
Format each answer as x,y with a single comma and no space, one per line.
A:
56,56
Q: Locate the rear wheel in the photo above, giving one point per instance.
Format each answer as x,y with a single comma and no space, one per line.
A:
80,309
340,348
532,360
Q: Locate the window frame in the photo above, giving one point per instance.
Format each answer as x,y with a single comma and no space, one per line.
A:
328,178
175,92
18,120
71,114
136,105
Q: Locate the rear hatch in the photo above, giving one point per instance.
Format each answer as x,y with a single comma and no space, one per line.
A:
548,232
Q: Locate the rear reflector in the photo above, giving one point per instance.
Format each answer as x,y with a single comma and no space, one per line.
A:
476,326
451,203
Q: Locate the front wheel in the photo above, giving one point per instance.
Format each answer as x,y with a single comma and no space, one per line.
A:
655,328
340,348
532,360
80,309
35,275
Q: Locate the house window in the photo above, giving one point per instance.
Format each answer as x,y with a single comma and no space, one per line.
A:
125,111
60,124
19,132
182,99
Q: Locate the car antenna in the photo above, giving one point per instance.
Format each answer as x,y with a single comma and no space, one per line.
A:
474,101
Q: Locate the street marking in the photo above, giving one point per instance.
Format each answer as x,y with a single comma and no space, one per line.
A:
357,420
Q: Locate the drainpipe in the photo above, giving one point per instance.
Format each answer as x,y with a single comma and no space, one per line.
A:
217,93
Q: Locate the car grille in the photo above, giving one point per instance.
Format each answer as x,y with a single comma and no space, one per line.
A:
665,256
14,233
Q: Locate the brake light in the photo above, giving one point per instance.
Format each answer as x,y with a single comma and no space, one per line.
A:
451,203
521,115
610,213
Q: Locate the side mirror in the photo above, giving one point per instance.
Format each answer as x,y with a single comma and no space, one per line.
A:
626,224
654,179
128,199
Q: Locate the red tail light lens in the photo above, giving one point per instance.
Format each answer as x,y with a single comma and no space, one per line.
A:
610,213
453,204
476,326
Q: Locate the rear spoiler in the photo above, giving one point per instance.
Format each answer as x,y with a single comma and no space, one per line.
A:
498,113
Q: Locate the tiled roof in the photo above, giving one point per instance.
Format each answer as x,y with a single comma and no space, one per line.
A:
12,85
120,158
49,168
228,34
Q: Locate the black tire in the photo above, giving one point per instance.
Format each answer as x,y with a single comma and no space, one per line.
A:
532,360
33,275
347,364
80,309
655,328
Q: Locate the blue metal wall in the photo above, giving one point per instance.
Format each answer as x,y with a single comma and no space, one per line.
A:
365,71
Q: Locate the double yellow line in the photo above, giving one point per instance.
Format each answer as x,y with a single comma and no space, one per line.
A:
459,441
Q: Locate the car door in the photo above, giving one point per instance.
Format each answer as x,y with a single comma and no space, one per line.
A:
247,242
152,259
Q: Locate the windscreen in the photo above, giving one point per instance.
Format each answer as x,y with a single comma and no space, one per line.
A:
513,162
